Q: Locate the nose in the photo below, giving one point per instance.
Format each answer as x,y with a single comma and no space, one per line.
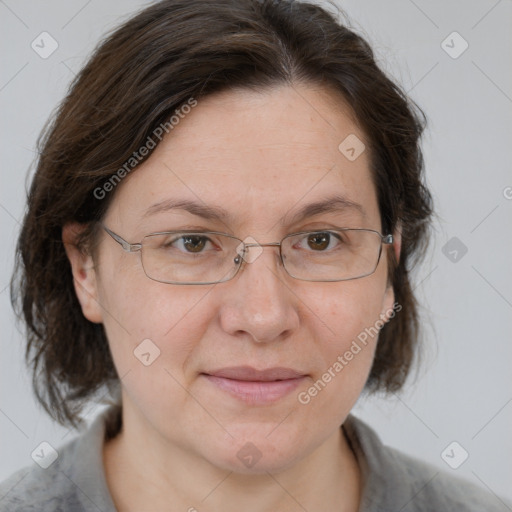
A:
258,303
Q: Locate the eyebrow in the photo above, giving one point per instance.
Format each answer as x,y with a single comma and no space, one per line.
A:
331,204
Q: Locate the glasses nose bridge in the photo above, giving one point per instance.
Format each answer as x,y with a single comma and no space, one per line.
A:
278,244
257,244
269,244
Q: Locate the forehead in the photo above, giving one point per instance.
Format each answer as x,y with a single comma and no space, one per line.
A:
254,157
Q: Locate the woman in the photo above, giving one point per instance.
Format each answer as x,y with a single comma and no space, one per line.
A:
220,233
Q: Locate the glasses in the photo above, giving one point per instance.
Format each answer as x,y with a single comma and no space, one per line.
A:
210,257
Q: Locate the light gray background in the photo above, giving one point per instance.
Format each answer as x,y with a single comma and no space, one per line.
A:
463,391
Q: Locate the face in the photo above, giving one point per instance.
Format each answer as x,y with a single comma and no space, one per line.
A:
261,157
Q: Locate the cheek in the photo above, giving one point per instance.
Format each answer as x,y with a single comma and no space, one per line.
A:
345,320
136,309
153,331
344,310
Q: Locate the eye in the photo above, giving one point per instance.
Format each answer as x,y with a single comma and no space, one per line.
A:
189,243
321,241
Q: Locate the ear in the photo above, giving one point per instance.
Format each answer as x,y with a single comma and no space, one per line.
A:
388,303
84,274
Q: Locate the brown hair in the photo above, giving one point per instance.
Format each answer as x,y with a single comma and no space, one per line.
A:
136,79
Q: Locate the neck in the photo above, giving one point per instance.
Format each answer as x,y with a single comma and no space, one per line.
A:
144,470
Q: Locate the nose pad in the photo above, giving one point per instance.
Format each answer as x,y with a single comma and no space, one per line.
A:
247,255
250,250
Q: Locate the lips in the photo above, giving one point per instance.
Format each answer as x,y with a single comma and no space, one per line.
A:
247,373
256,387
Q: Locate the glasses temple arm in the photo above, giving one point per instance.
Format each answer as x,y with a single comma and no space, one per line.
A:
128,247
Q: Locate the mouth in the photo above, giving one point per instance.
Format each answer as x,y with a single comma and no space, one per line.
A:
256,386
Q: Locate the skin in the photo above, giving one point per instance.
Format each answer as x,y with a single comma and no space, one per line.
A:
261,156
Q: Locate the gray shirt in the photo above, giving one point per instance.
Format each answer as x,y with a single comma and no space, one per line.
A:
393,482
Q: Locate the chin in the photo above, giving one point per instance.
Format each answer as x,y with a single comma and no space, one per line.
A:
258,453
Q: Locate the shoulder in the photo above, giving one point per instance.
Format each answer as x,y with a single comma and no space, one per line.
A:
396,481
74,481
33,488
432,488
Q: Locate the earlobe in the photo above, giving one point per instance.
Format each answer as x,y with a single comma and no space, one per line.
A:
84,273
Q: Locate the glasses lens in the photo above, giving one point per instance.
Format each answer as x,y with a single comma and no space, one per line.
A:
182,257
332,255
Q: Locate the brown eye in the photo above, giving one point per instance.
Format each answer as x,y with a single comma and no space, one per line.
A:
186,243
194,243
320,241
